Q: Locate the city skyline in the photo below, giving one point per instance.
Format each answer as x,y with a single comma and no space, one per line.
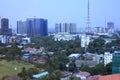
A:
61,11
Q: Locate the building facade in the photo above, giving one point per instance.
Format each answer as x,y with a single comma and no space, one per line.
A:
65,27
5,30
107,58
58,27
116,62
64,36
85,40
37,27
110,26
21,27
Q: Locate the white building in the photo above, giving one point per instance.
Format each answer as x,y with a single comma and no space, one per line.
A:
64,36
26,40
107,58
85,40
74,56
4,39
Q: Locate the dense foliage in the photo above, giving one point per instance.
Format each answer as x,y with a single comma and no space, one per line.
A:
98,69
56,63
96,46
48,42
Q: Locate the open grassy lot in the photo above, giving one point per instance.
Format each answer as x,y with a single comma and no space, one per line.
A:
12,67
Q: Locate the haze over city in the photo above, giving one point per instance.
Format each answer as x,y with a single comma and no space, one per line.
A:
60,11
59,40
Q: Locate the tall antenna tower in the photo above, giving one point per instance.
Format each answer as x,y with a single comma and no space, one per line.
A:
88,17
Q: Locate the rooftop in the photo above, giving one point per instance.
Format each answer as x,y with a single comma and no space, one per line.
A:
40,74
110,77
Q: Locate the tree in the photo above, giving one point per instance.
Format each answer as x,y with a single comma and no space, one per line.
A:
96,46
13,53
109,68
85,68
100,69
72,66
23,74
75,78
27,74
32,71
57,61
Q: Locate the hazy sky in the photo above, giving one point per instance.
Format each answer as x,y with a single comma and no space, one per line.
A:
60,11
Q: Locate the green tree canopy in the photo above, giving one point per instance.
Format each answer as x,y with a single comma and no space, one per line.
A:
96,46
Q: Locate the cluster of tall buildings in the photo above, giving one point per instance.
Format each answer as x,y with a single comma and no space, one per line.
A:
33,27
108,29
65,27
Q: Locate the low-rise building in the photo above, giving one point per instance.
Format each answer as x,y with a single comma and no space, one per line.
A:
85,62
65,75
82,75
75,56
26,40
64,36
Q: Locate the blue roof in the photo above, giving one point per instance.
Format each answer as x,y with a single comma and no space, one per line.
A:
40,74
26,55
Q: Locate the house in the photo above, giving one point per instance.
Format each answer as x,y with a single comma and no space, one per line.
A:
26,55
85,62
30,50
95,77
82,75
110,77
93,57
26,40
65,75
105,77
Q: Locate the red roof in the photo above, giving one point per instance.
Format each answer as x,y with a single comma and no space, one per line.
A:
93,77
110,77
84,73
105,77
29,49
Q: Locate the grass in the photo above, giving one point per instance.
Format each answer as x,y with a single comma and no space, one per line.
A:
8,68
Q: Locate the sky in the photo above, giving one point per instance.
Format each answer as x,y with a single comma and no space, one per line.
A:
62,11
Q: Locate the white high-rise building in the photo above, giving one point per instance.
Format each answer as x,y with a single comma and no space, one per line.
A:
85,40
